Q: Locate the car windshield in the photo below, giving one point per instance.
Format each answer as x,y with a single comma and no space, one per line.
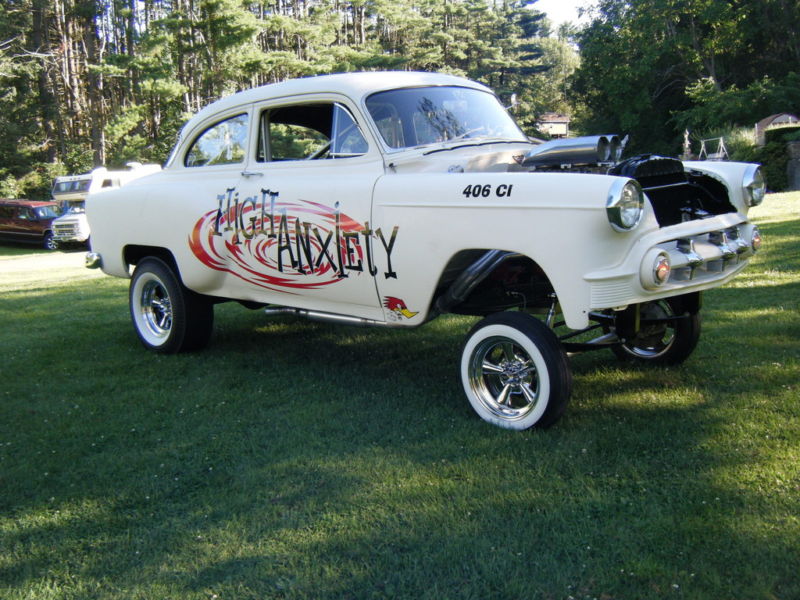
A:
45,212
428,115
69,187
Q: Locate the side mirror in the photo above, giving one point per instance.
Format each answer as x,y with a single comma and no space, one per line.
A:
514,102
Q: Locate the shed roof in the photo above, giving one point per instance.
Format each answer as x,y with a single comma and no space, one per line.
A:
552,117
776,119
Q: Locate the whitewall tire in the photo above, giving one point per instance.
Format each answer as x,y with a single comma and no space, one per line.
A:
168,317
514,371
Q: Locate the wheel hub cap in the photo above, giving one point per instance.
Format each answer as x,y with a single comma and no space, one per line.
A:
513,372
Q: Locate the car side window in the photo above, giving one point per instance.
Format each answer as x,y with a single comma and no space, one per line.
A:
308,132
224,143
46,212
295,142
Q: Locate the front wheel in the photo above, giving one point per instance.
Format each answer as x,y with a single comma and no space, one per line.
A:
515,372
167,316
667,336
49,242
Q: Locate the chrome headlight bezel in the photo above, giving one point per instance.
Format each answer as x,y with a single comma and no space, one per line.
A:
625,205
753,185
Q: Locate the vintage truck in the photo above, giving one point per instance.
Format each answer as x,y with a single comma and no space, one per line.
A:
388,199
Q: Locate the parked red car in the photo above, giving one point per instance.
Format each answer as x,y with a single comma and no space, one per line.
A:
28,221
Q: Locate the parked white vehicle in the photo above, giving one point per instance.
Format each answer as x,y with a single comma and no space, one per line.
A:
388,199
70,191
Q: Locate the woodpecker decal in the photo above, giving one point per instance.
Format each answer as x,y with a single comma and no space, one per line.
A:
398,308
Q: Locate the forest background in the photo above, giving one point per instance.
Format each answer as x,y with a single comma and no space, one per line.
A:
85,83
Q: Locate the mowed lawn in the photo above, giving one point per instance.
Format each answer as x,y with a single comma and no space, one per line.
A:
301,460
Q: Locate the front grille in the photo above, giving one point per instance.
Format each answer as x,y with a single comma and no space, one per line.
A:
708,255
66,229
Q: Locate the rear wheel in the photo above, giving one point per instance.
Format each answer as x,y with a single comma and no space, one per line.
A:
514,371
665,337
167,316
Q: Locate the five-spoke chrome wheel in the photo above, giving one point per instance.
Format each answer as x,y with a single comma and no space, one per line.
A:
514,372
504,377
156,308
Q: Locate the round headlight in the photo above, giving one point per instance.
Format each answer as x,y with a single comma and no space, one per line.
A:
625,204
754,185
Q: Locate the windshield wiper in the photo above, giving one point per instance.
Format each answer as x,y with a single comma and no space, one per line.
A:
476,143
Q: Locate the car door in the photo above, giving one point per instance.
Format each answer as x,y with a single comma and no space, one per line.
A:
296,226
25,224
182,203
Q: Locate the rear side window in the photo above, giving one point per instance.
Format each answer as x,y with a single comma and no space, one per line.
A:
224,143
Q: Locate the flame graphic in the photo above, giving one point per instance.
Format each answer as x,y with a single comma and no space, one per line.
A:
255,260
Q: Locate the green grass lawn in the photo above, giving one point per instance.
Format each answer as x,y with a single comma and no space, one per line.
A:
300,460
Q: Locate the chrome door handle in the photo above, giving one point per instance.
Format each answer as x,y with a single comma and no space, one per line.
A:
252,174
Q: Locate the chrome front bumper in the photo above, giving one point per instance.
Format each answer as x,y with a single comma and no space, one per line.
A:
699,260
708,256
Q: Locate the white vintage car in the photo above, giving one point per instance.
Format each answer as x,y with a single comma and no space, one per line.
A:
388,199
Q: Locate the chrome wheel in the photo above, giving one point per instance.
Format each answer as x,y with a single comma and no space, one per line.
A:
156,309
655,338
151,309
504,378
514,372
668,334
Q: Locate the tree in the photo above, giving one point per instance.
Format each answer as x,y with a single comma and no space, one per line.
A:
655,67
91,82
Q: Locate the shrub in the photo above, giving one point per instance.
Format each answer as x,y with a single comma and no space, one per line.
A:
774,157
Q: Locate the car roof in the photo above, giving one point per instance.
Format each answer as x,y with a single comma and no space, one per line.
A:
30,203
353,85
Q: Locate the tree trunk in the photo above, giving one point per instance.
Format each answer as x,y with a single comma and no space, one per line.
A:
95,79
47,102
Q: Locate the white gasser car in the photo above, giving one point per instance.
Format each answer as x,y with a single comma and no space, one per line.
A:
388,199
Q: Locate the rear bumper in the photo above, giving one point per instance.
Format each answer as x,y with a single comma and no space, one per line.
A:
93,260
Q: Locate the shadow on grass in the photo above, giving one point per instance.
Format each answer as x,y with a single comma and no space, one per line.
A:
302,460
